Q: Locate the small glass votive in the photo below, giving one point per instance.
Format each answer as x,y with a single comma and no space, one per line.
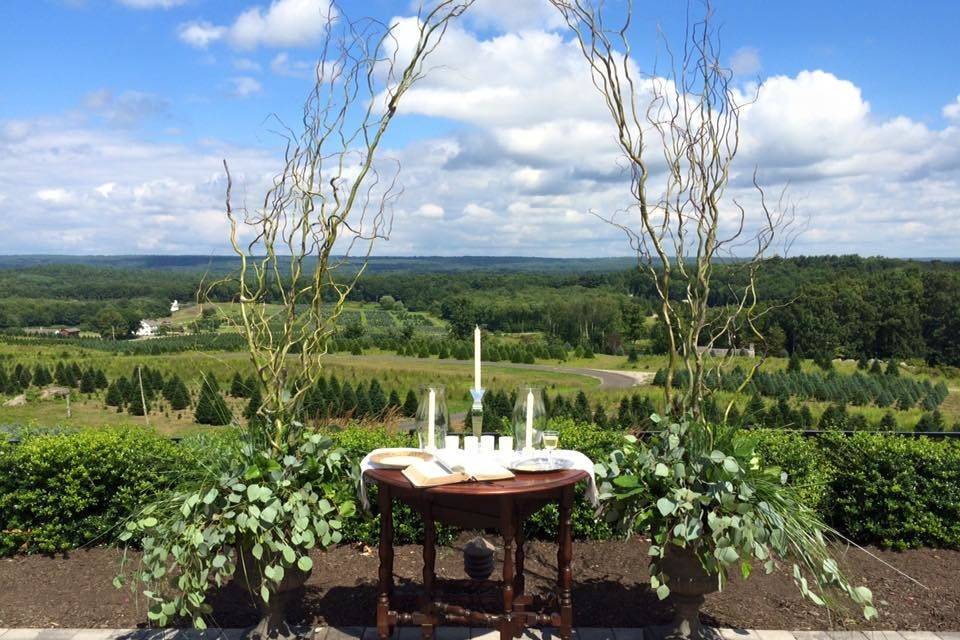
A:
488,443
471,444
506,444
451,443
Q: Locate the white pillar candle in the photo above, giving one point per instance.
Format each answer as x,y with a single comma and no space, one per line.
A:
431,420
476,358
471,444
506,444
452,442
488,443
528,441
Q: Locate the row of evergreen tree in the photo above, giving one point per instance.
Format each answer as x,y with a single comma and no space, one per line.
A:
445,348
21,377
880,388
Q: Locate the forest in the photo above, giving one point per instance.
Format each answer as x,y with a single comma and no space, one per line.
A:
817,307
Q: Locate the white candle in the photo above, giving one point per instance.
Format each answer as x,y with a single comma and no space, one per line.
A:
476,358
488,443
506,444
471,444
528,442
431,420
452,442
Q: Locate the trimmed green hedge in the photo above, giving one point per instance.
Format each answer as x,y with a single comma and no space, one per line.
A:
61,491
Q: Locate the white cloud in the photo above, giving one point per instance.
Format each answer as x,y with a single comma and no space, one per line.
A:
126,109
511,15
952,110
56,195
430,210
285,23
282,65
200,33
745,61
106,189
151,4
244,86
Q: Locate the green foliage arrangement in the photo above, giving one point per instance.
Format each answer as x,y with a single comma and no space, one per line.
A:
277,511
703,488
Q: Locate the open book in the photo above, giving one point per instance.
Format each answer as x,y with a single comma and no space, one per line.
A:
433,473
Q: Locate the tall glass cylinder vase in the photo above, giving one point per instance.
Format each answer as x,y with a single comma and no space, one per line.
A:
529,419
432,420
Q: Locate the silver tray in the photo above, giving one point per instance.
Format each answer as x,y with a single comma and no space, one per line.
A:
539,464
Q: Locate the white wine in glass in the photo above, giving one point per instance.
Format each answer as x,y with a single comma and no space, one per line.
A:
550,441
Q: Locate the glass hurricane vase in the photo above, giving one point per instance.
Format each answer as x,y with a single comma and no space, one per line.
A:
432,409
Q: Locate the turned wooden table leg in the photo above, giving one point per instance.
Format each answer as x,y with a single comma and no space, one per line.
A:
507,528
564,558
429,565
385,501
519,582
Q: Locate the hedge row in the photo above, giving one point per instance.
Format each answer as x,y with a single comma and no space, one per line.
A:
61,491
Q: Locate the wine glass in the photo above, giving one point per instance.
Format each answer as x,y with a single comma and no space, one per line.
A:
550,441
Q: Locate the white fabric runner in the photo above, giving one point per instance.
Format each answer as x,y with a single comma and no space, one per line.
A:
579,460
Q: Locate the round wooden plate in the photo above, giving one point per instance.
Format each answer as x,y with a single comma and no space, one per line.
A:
399,458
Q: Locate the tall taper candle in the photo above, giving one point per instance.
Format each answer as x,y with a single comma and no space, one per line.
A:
528,441
476,358
431,420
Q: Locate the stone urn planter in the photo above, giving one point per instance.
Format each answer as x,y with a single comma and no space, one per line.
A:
689,583
273,623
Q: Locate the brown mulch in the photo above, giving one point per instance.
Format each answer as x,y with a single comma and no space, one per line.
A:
74,590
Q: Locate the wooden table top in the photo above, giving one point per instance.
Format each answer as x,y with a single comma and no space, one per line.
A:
521,484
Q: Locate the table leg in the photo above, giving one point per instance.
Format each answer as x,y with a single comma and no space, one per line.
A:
507,529
519,580
429,565
564,558
385,501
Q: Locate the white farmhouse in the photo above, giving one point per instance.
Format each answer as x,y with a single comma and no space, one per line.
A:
174,306
146,329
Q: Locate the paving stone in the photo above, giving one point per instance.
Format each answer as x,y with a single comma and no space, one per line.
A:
943,635
595,633
536,633
57,634
101,634
729,633
149,634
774,634
919,635
213,634
883,635
628,633
344,633
22,634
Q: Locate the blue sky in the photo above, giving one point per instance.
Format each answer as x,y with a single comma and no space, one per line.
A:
86,79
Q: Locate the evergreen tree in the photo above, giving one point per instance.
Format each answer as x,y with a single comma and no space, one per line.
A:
624,415
211,407
180,397
875,367
377,399
805,418
22,375
114,395
600,417
862,362
238,388
41,375
100,379
88,382
393,403
363,402
75,374
581,408
892,368
410,404
4,381
348,400
443,353
253,405
794,365
888,422
753,414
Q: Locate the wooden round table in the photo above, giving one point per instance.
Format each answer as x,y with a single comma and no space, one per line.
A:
499,504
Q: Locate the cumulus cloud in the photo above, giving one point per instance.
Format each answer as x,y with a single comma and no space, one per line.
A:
952,110
510,15
282,65
285,23
244,86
